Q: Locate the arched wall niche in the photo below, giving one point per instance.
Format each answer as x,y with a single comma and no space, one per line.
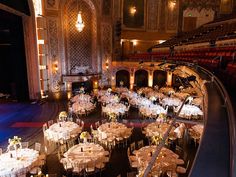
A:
124,76
141,78
159,78
81,48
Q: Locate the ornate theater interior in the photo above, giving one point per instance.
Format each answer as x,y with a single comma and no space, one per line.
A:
117,88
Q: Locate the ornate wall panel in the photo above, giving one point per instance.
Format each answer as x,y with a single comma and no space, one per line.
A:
52,4
80,46
171,15
226,6
162,22
106,7
200,4
54,82
116,9
136,20
106,50
152,14
204,16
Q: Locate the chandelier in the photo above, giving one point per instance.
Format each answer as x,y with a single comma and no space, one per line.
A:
79,23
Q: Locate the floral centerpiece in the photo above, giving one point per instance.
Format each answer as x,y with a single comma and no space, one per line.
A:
81,90
156,139
162,117
181,87
189,99
109,90
15,142
121,83
153,98
116,98
85,136
112,117
63,116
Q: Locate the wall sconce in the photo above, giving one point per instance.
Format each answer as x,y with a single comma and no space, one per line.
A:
172,4
132,10
55,66
135,42
113,78
107,64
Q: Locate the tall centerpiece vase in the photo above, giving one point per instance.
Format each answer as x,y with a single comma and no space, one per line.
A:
85,140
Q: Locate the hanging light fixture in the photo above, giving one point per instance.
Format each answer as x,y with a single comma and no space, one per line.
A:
79,23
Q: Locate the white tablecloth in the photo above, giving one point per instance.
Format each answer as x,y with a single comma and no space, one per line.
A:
113,130
189,110
62,131
152,110
170,101
166,161
16,166
116,108
85,153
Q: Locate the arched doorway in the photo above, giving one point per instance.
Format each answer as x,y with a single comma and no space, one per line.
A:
122,75
141,78
159,78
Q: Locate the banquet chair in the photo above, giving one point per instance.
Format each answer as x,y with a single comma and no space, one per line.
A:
78,121
180,170
45,127
132,147
82,125
0,151
104,121
24,145
140,144
77,169
90,168
50,122
97,124
131,174
37,146
67,165
100,166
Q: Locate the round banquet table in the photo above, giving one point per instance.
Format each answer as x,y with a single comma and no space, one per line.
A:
189,110
77,107
116,108
156,129
83,98
113,131
86,153
12,165
152,110
62,131
167,160
169,101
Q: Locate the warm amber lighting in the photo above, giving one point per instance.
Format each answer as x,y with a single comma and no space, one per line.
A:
169,78
132,10
69,95
172,4
55,66
135,42
79,23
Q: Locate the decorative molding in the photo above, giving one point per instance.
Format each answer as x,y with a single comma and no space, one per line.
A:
153,13
54,82
116,9
52,4
171,16
106,50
